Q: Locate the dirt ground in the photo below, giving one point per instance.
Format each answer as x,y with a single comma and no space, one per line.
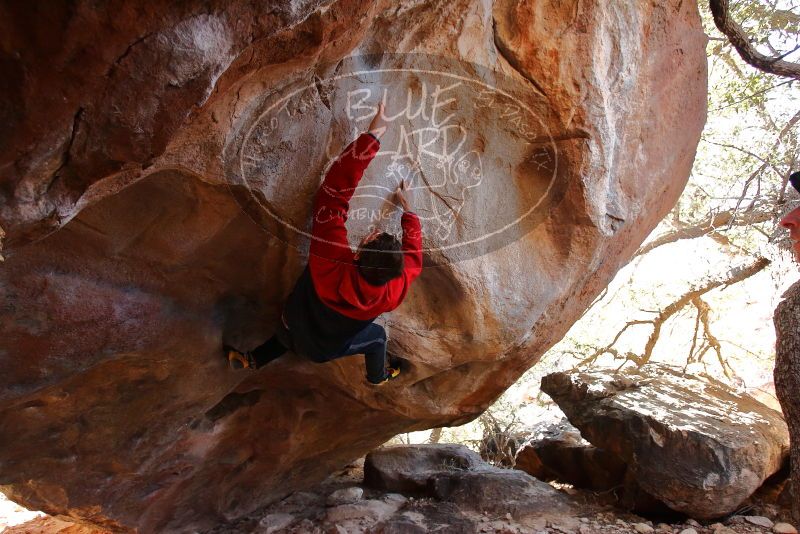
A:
317,511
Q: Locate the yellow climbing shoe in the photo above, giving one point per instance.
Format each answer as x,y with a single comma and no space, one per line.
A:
239,360
391,373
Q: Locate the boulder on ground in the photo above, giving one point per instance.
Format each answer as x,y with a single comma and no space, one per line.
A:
557,451
455,474
697,445
409,469
775,492
371,509
345,496
423,516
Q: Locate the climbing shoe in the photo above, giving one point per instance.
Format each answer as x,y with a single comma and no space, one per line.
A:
391,373
396,362
239,360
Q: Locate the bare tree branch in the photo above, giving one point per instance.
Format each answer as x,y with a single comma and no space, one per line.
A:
711,342
730,218
708,227
790,52
690,357
740,41
732,277
785,130
499,443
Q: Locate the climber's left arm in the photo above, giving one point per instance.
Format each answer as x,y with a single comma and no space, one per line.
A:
329,235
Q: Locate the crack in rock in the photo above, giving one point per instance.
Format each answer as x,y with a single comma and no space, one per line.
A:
506,54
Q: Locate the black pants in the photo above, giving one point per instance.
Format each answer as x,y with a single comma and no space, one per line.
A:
371,342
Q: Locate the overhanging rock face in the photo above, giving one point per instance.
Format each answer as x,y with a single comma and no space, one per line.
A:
158,166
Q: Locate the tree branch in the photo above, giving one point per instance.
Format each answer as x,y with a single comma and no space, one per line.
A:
709,227
734,217
742,150
751,95
690,357
740,41
784,131
734,276
703,311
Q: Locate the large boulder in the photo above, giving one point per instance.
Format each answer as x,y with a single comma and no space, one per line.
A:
557,451
694,444
411,470
455,474
158,162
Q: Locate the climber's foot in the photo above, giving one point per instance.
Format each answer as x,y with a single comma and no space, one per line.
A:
238,359
391,374
396,362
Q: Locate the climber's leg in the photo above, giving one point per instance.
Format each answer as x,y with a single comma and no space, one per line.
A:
274,347
371,342
270,350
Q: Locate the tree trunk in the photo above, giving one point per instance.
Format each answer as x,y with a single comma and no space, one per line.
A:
787,380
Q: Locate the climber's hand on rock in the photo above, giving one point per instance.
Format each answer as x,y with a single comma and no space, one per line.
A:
378,125
400,196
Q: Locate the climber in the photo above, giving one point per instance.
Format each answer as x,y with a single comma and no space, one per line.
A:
330,312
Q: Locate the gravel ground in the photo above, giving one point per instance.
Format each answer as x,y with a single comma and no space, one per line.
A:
340,505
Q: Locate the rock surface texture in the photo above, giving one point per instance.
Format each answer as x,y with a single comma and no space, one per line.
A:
154,203
695,445
453,473
787,381
556,451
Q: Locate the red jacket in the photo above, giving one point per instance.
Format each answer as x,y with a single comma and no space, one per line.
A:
337,281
